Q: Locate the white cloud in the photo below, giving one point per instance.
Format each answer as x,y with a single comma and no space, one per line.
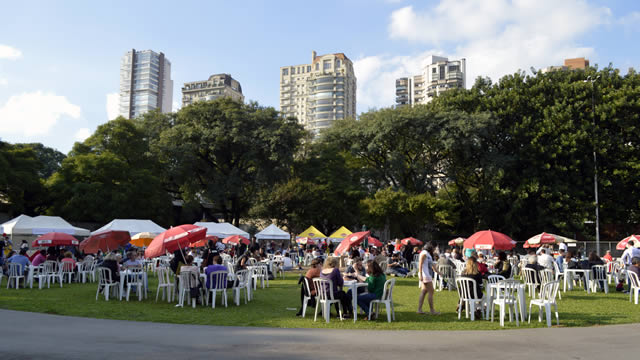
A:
497,37
175,106
113,106
82,134
35,113
8,52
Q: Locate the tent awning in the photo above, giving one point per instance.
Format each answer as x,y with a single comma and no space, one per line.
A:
273,232
133,226
340,234
222,230
313,233
27,225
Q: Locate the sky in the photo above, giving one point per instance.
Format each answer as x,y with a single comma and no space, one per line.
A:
59,60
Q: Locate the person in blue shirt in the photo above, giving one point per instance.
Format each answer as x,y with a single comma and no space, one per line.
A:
217,266
21,259
560,261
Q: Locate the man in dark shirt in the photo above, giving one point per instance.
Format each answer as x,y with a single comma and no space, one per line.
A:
635,266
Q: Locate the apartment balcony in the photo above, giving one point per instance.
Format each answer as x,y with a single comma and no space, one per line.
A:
403,98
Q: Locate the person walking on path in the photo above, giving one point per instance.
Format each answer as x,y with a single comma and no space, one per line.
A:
425,264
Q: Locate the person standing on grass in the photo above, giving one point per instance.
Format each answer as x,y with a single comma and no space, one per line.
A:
425,266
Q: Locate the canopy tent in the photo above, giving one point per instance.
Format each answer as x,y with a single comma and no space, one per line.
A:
27,225
222,230
340,234
312,232
273,232
133,226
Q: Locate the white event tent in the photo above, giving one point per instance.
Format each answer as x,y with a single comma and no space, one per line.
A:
133,226
273,232
25,227
222,230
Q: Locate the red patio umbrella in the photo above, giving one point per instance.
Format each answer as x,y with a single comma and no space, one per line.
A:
487,240
203,242
105,241
623,243
374,242
456,242
350,241
305,241
411,240
175,238
235,240
55,239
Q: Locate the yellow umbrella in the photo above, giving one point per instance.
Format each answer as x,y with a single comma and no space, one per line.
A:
341,233
312,232
142,239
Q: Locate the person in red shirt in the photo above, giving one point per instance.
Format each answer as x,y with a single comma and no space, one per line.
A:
482,267
608,256
40,257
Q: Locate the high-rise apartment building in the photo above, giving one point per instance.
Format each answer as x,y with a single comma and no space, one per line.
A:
219,85
438,75
319,93
569,64
145,83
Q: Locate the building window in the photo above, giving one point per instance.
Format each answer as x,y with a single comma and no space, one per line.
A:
326,64
338,63
285,72
308,68
317,66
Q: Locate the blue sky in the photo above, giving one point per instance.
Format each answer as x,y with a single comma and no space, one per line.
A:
59,61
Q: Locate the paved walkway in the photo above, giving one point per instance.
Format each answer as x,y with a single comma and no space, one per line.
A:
38,336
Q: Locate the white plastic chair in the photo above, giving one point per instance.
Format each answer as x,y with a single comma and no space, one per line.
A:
598,278
448,275
165,284
56,272
40,274
506,298
532,281
15,274
468,297
494,279
559,276
307,295
386,299
547,298
242,282
188,280
66,271
259,272
84,271
634,286
105,283
324,291
135,278
217,282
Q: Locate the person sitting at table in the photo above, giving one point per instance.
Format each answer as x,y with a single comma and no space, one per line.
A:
471,271
313,272
532,263
331,272
545,260
560,260
216,265
111,263
594,260
132,261
287,263
503,267
482,267
20,258
68,258
40,258
635,268
352,273
177,262
395,266
375,285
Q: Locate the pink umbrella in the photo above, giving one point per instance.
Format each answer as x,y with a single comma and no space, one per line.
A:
55,239
175,238
487,240
105,241
235,240
350,241
412,241
623,243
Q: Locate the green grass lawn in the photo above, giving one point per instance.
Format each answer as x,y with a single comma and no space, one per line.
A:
269,308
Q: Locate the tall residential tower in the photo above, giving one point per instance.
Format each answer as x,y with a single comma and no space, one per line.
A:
319,93
145,83
438,75
219,85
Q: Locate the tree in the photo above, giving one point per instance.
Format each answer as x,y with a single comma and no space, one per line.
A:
50,159
224,152
21,188
110,175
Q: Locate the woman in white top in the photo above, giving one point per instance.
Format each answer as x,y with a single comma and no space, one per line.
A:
425,264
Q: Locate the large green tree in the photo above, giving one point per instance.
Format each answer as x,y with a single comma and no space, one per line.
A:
110,175
224,153
21,187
